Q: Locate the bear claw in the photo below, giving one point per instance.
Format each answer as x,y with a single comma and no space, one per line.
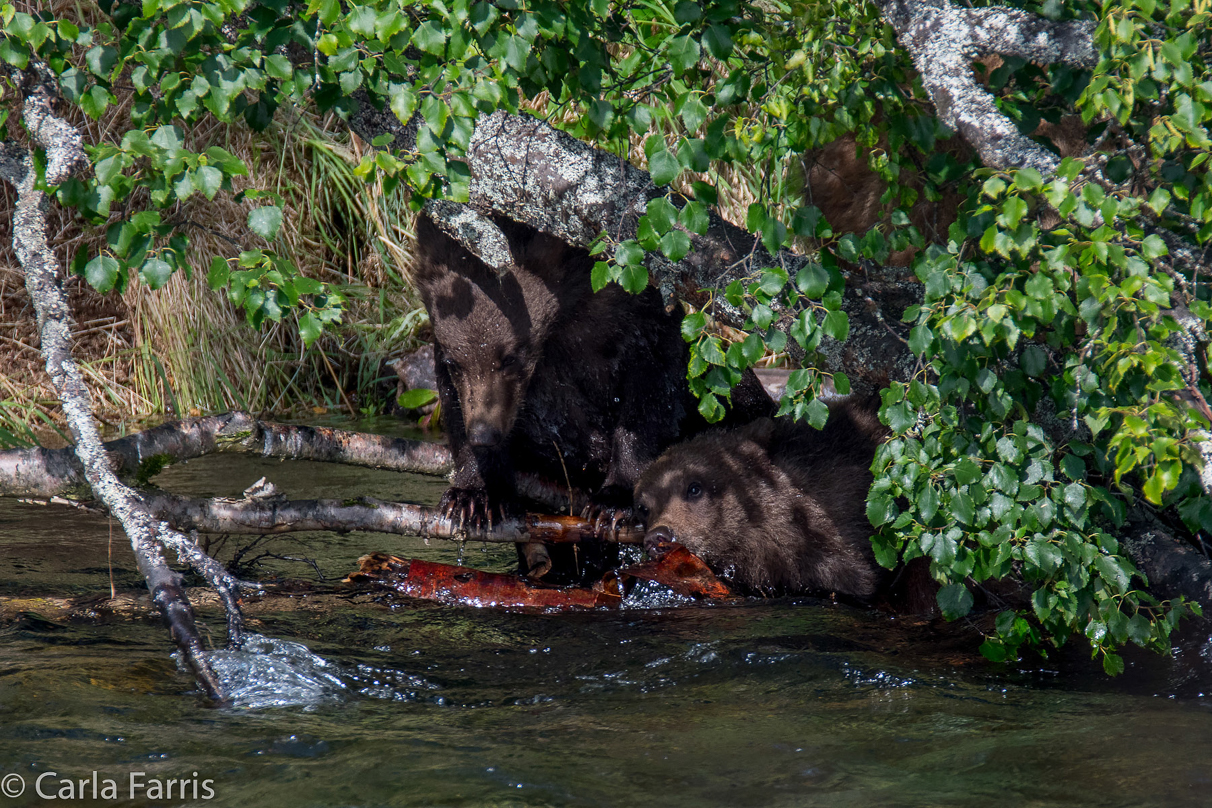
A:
608,509
470,509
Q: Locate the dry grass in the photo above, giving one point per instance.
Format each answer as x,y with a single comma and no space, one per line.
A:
185,348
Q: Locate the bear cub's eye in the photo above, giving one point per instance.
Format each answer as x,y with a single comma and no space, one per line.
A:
508,362
694,491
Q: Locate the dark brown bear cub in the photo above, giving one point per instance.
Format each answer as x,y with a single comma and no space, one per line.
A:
537,373
774,507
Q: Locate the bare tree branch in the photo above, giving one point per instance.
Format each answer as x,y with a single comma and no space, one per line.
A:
279,515
148,538
57,472
944,39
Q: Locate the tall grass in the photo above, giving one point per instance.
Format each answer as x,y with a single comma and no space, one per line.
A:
197,350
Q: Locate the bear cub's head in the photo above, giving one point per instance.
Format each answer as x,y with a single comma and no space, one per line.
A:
489,327
775,507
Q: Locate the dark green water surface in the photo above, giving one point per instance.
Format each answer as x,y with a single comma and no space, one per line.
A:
764,704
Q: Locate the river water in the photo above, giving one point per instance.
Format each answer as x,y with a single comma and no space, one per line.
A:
390,702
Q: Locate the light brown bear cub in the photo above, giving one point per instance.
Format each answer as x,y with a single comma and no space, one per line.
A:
774,507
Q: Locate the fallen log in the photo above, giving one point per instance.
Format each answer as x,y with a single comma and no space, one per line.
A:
41,472
45,473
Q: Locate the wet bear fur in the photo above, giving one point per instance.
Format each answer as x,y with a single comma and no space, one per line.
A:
537,373
774,507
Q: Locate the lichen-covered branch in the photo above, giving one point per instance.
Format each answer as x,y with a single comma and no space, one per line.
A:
529,171
45,473
471,228
148,538
64,148
943,40
57,472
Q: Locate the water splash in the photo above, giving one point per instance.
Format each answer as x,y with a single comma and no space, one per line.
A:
652,595
268,672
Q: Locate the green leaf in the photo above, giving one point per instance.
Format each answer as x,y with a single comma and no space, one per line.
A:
962,508
219,274
664,167
927,503
208,180
880,510
265,221
718,41
920,339
752,348
662,214
155,273
817,413
634,278
1075,496
837,325
629,253
431,38
693,114
711,408
694,218
675,245
710,350
309,328
516,50
278,67
415,398
955,601
1112,573
1039,286
900,417
403,101
102,273
686,11
111,167
967,472
683,53
812,281
772,281
101,60
1034,361
1028,179
693,325
599,276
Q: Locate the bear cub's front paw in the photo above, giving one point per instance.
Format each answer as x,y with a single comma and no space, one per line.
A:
610,507
471,509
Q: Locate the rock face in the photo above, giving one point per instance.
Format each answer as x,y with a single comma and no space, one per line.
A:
535,372
775,507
